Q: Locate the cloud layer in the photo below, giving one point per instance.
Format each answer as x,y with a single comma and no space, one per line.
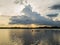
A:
30,18
56,7
35,11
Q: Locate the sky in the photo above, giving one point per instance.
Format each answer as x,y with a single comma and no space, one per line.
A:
45,11
9,7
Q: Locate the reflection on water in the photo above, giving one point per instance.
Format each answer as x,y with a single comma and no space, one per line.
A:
29,36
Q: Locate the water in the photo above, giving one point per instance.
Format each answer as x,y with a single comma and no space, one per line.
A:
29,36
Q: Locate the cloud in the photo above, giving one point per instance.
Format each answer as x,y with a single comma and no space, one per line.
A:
56,7
30,17
53,15
20,1
8,7
43,6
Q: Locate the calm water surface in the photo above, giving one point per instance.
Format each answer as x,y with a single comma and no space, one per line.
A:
29,36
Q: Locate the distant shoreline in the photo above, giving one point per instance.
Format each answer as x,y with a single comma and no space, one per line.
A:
29,28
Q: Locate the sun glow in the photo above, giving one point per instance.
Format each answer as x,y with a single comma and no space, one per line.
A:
33,25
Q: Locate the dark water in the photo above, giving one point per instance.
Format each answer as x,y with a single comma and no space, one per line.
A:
32,37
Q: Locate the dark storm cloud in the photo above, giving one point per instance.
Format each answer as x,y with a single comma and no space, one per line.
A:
30,18
56,7
53,15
